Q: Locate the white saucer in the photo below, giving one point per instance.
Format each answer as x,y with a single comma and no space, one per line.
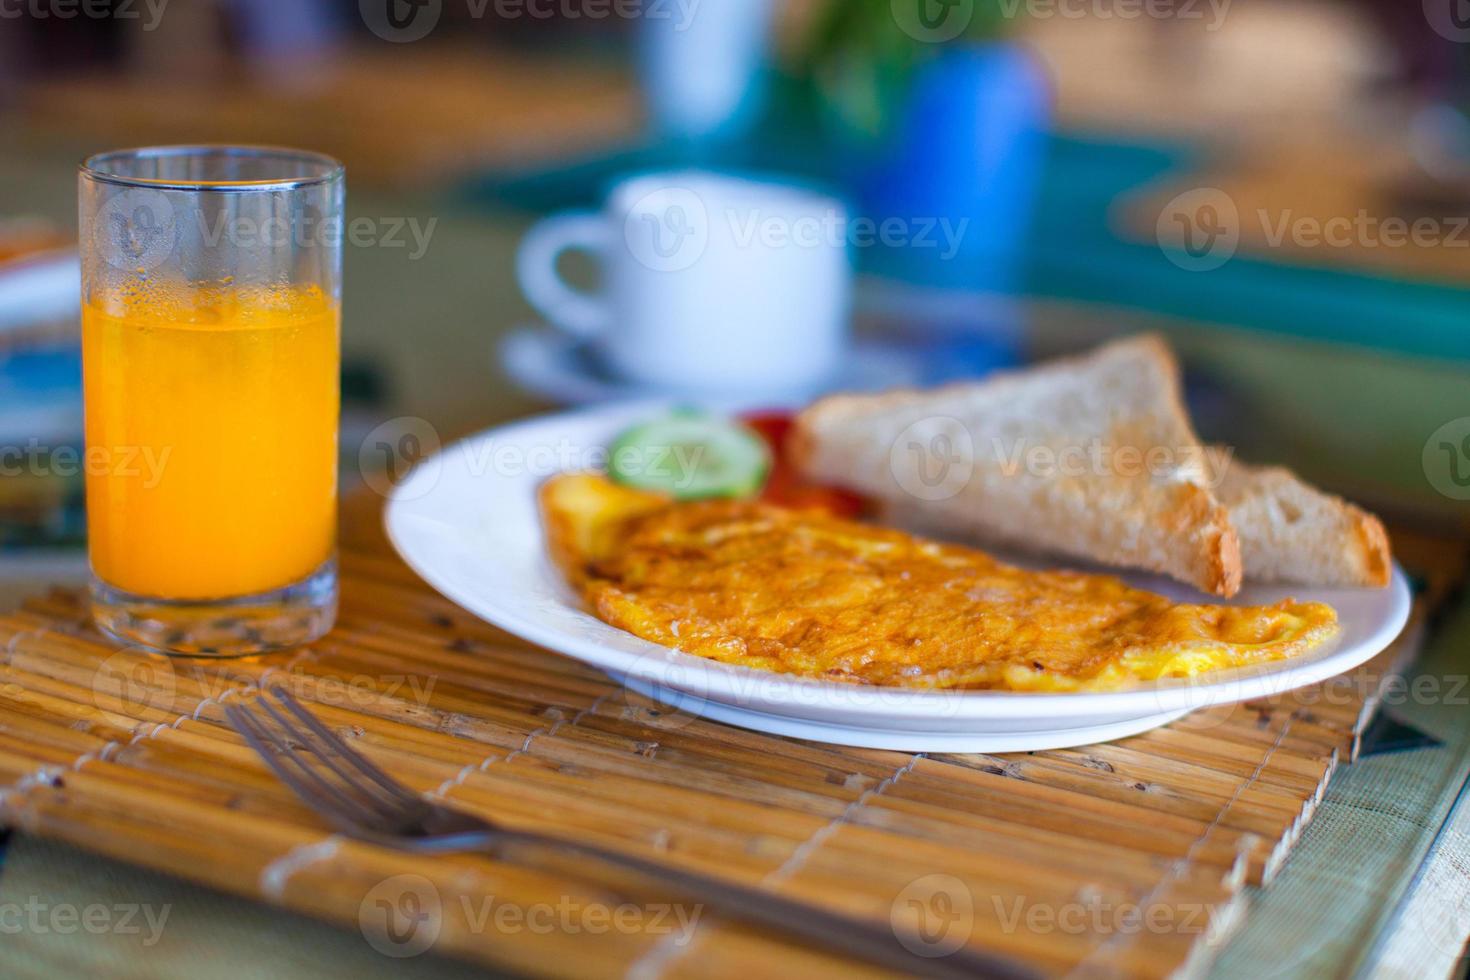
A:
466,520
550,364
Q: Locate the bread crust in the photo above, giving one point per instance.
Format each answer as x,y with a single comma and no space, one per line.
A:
1337,543
1181,529
1373,541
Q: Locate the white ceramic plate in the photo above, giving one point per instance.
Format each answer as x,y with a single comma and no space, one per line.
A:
466,521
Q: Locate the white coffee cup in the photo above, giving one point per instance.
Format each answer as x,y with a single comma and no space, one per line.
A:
710,282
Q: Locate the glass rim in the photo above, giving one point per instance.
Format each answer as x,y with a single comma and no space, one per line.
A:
94,167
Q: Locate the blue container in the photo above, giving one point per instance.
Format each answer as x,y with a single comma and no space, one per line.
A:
959,171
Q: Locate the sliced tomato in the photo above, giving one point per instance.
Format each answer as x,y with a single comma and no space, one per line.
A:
785,487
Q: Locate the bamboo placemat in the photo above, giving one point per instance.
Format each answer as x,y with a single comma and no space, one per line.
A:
1125,858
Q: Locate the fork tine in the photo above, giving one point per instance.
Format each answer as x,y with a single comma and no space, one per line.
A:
345,751
299,777
385,809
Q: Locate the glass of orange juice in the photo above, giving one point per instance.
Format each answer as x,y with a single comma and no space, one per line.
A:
211,281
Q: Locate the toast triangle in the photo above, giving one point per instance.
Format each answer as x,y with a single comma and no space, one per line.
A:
1292,532
1091,457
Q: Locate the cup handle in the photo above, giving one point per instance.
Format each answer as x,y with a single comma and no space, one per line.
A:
580,313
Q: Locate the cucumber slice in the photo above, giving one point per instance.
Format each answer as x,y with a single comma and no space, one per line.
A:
690,457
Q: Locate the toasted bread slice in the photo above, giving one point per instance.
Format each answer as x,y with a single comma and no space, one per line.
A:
1091,457
1292,532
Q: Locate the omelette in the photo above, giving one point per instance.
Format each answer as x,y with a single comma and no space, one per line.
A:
803,593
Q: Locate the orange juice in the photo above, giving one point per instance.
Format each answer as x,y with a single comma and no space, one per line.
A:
211,428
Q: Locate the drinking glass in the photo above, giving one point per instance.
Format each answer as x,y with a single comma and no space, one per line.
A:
211,285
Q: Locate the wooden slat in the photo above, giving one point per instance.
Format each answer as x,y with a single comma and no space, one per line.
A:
1046,856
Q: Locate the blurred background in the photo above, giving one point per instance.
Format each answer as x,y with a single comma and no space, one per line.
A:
1282,186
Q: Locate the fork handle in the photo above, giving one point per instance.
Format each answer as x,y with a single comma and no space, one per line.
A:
842,933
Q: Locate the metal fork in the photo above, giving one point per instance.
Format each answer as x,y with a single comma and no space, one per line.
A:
364,802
